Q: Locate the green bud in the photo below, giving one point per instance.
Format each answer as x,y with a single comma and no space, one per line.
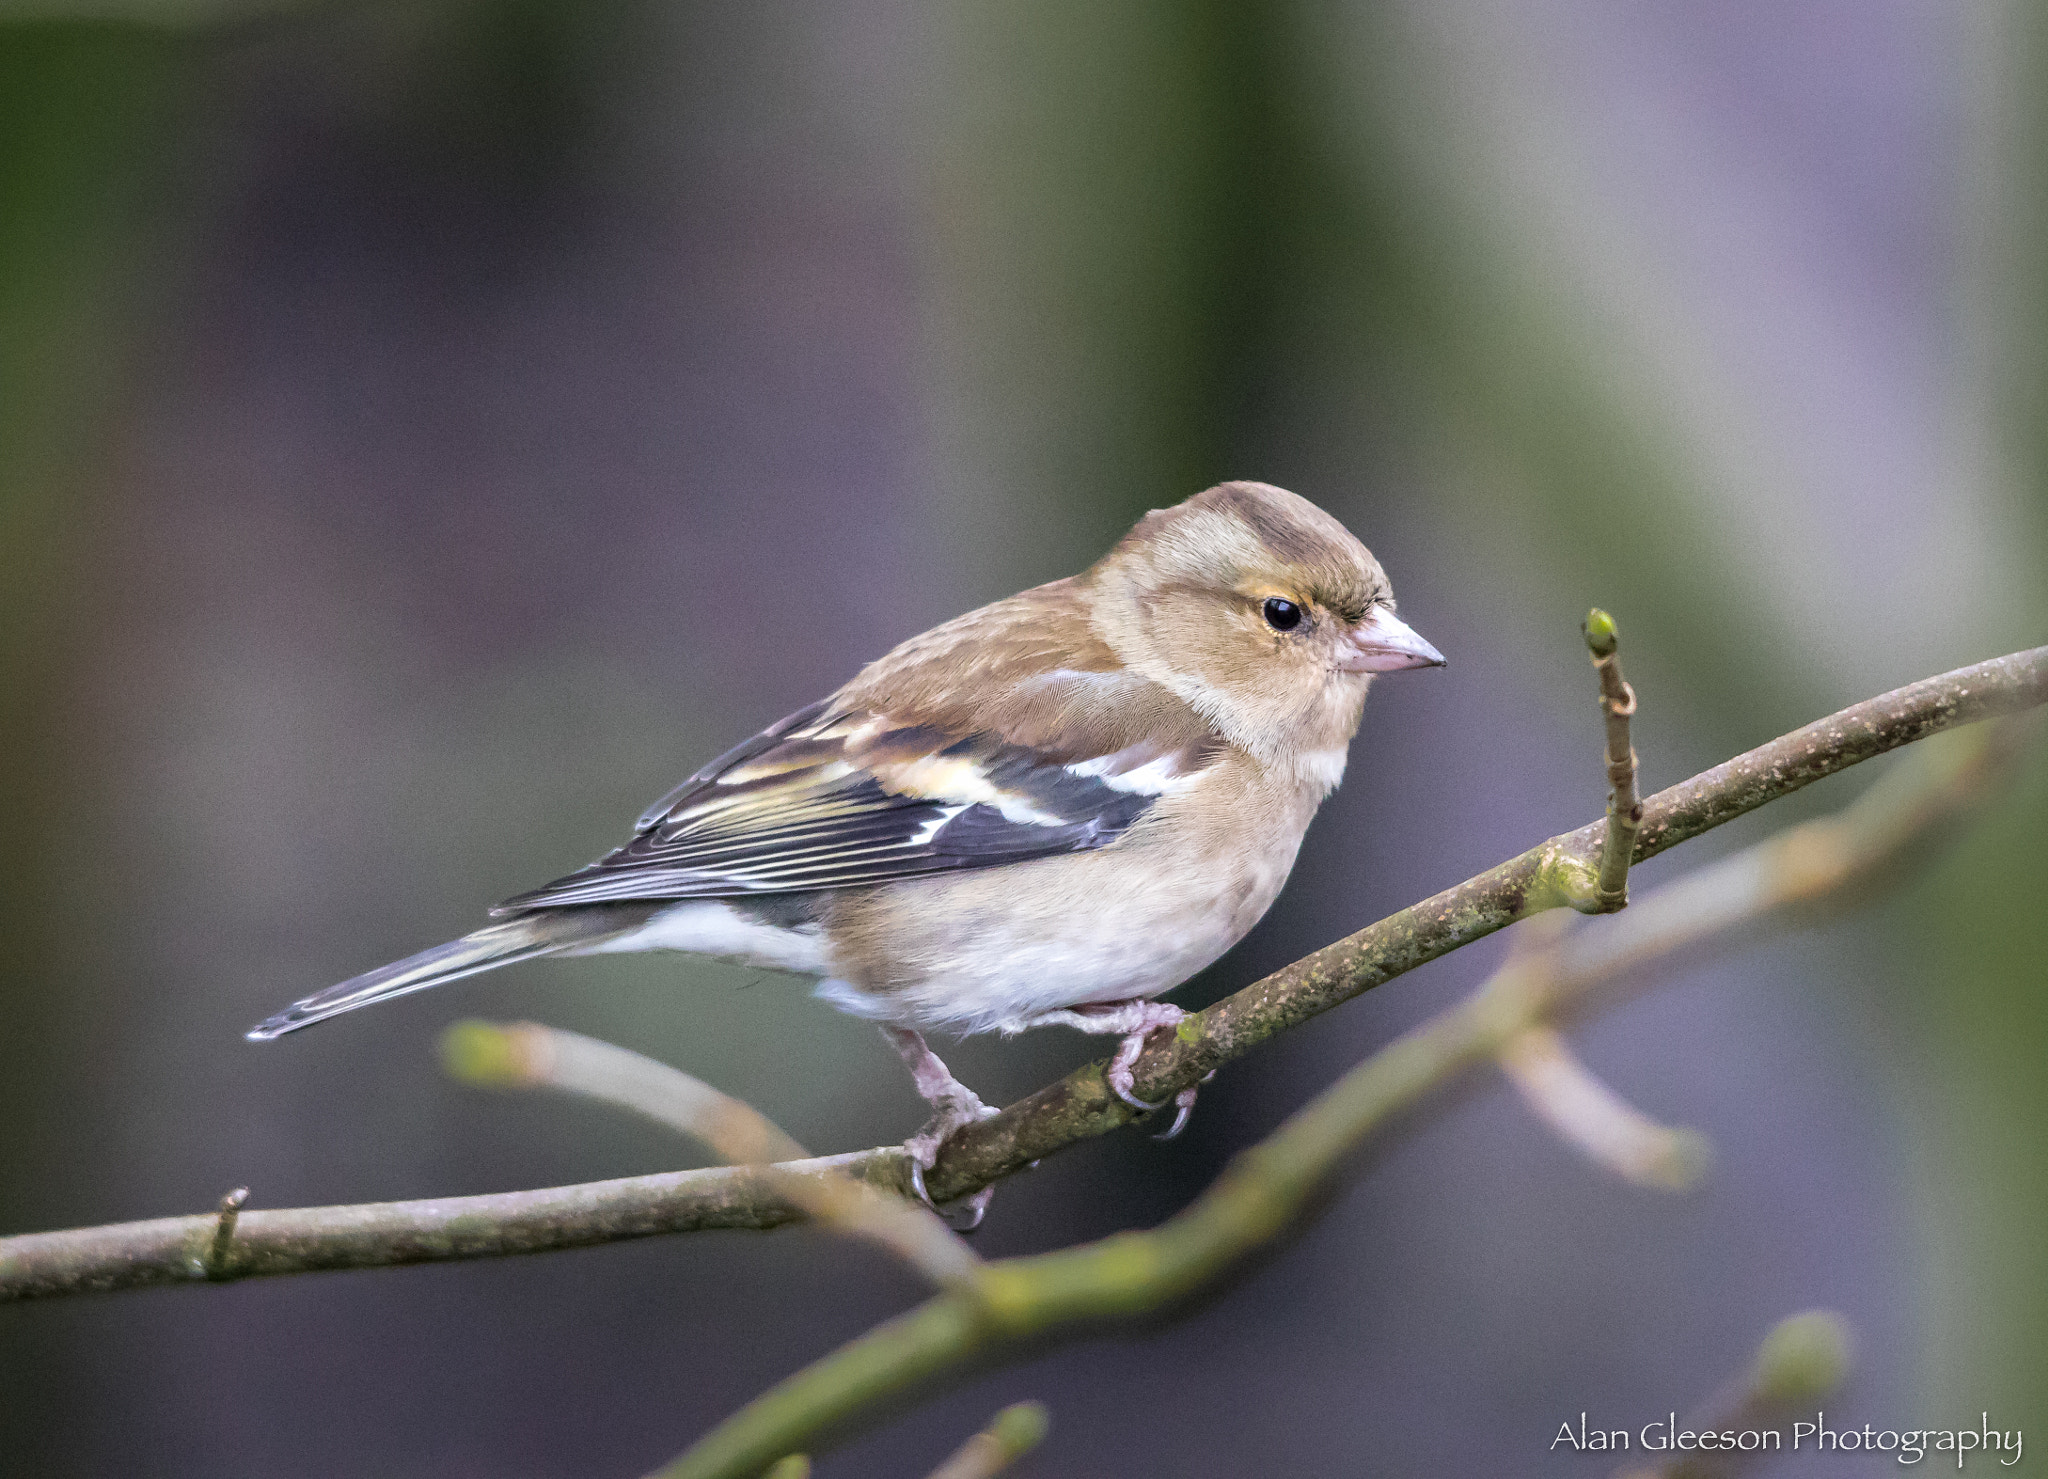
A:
476,1052
1803,1357
1020,1428
1601,638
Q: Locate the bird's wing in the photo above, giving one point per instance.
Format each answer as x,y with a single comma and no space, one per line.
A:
859,789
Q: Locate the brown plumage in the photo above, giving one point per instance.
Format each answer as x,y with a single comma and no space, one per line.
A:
1048,810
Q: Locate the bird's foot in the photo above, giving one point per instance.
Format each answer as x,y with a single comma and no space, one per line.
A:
953,1117
954,1107
923,1150
1118,1074
1137,1021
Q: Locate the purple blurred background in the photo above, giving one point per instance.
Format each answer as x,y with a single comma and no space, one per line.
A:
430,431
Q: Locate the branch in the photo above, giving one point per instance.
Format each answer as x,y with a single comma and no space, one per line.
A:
175,1249
1024,1305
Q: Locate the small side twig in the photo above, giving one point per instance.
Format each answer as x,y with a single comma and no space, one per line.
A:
1587,1114
910,1230
1624,806
224,1230
1011,1434
528,1055
1566,1095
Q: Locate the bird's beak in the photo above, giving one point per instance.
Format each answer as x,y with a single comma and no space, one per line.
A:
1383,643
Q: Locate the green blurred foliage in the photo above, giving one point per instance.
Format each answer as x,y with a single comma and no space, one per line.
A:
1981,996
1098,198
84,113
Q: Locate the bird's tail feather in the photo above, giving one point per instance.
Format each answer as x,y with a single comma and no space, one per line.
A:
485,949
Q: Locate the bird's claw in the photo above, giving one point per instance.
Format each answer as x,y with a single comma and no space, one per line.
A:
974,1206
1122,1091
917,1178
1183,1106
1183,1111
1118,1074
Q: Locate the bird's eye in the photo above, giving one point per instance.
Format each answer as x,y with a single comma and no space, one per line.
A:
1282,616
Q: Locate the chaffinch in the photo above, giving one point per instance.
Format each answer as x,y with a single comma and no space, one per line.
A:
1047,811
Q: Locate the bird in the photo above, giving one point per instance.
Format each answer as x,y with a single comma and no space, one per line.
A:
1049,811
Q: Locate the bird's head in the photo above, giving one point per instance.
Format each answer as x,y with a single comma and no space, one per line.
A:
1261,611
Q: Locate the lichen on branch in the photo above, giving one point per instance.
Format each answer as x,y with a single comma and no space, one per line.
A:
298,1240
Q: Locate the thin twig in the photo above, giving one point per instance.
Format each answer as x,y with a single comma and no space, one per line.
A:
1624,807
225,1217
1028,1303
172,1250
1566,1095
1011,1434
909,1229
527,1055
530,1056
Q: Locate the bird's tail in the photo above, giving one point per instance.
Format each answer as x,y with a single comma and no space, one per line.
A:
524,938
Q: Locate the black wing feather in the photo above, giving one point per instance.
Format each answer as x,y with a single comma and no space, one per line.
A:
831,800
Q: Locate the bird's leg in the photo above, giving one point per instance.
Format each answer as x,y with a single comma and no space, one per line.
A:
1137,1020
954,1106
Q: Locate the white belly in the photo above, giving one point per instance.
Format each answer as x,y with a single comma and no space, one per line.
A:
987,950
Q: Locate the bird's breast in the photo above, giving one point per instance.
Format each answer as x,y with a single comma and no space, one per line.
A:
989,948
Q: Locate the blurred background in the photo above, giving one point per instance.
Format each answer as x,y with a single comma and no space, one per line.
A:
427,431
